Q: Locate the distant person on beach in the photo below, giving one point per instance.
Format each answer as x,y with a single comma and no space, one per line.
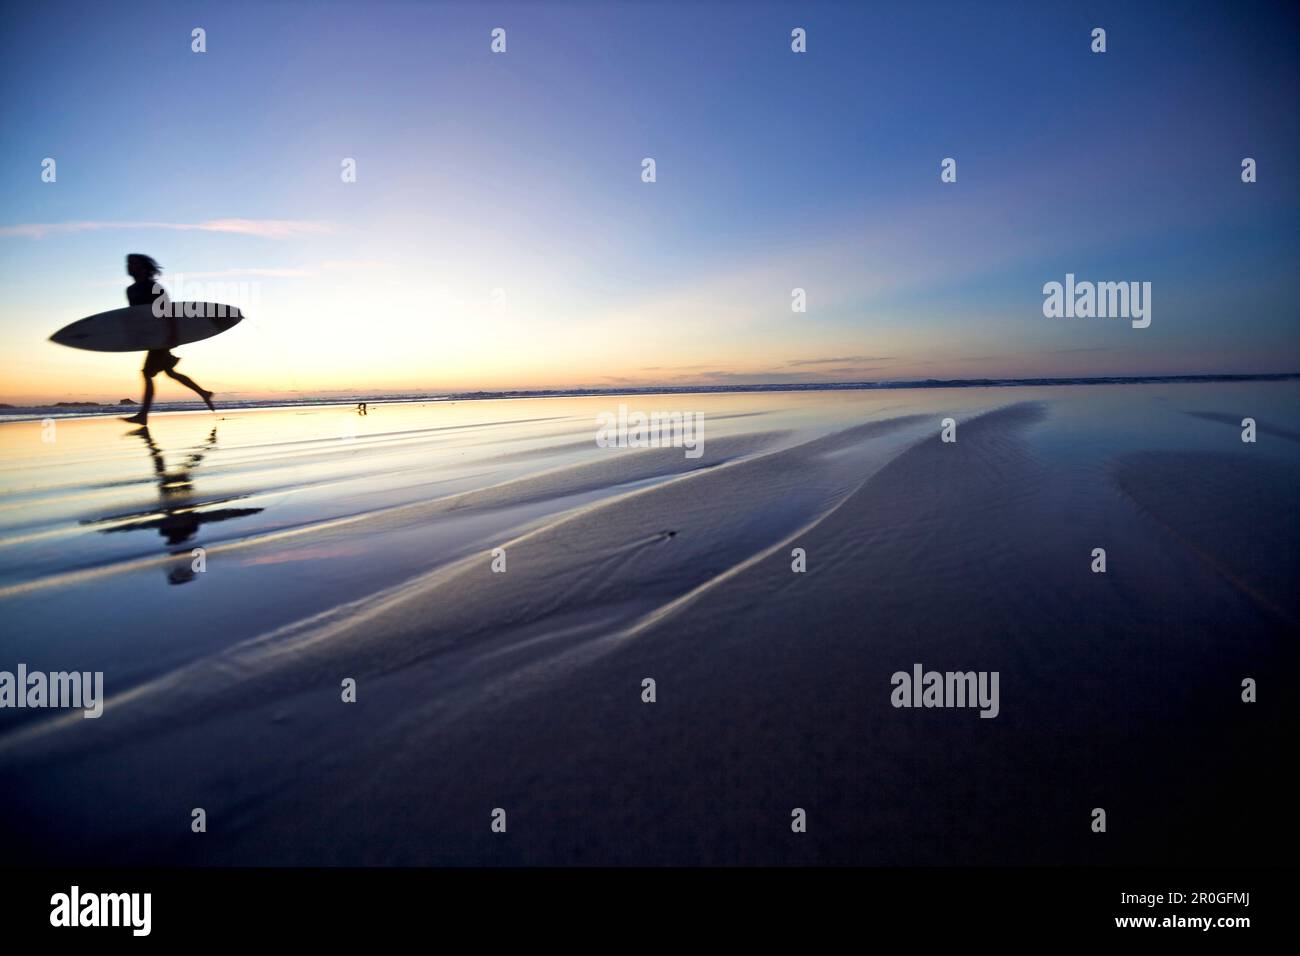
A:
144,291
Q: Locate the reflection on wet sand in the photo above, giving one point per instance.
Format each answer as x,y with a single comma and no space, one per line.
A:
178,516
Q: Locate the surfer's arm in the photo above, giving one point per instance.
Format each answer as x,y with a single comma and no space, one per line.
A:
173,330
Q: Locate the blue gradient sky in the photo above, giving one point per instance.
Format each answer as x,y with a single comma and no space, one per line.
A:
521,172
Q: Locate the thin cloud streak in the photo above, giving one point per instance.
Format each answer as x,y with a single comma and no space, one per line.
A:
264,228
273,272
842,359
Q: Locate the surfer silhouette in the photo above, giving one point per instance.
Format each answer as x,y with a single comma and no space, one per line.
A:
144,291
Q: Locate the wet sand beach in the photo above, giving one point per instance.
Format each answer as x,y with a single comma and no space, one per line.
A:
337,546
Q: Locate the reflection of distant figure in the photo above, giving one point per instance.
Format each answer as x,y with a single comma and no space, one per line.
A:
144,291
177,518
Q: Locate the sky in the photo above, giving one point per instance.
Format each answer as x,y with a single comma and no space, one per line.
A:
499,234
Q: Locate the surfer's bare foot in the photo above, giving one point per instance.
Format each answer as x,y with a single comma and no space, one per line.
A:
137,419
207,400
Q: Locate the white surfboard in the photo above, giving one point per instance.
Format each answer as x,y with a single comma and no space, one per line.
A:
136,329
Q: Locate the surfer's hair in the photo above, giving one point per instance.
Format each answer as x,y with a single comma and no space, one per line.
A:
147,262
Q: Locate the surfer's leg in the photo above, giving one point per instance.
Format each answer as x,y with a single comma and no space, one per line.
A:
193,386
146,403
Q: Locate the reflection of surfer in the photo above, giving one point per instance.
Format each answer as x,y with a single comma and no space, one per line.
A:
144,291
177,524
177,517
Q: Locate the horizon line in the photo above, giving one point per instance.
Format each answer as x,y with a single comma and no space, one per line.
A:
325,398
